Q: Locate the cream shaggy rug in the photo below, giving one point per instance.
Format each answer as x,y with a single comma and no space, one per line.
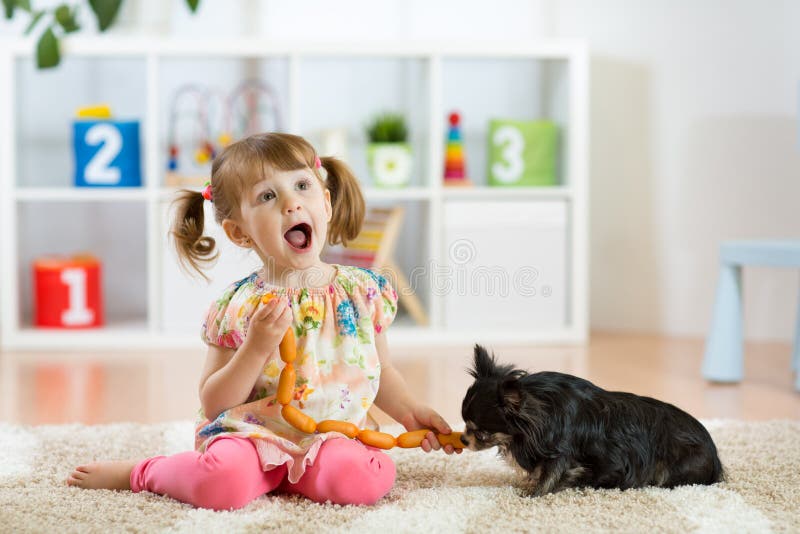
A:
473,492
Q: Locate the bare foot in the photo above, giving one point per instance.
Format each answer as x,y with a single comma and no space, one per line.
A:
103,475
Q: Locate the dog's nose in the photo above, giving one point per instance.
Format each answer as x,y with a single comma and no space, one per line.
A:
463,439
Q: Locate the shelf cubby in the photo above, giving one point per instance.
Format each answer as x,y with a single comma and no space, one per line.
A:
114,232
46,106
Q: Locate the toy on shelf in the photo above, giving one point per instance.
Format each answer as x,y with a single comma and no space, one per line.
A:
250,108
98,111
454,164
188,127
389,153
333,142
304,423
107,151
67,292
522,152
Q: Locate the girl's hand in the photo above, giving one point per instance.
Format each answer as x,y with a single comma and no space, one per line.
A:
422,416
269,324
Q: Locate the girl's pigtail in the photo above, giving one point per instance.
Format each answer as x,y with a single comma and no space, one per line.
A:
194,249
346,200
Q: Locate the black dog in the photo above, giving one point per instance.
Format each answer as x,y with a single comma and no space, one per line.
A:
564,431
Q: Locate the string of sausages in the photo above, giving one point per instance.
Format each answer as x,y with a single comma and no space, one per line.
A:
304,423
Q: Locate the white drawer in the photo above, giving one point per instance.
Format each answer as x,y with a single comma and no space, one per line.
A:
507,263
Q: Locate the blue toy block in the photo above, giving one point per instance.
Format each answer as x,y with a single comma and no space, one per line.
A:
107,153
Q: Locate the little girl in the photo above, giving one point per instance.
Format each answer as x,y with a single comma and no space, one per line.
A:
269,194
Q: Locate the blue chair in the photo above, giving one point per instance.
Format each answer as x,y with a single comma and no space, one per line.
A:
723,360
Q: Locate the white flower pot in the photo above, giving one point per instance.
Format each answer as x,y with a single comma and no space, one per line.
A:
390,164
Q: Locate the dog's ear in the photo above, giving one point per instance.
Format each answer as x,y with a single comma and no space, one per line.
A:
511,394
483,365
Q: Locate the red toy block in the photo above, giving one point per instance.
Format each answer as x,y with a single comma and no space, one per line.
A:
67,292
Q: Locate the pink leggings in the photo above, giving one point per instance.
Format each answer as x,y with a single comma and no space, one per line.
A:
228,475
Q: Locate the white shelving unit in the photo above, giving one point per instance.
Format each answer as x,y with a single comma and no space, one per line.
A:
432,75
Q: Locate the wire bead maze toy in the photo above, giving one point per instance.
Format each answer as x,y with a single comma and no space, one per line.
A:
305,423
204,150
249,103
251,107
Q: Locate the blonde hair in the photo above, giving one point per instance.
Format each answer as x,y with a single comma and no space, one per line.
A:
242,165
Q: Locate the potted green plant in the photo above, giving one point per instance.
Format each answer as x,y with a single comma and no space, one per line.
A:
388,153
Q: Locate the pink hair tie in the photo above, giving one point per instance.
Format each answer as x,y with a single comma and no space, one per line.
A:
317,162
207,192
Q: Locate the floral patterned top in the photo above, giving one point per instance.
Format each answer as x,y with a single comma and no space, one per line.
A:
337,365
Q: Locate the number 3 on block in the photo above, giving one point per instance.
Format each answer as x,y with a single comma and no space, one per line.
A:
509,139
522,152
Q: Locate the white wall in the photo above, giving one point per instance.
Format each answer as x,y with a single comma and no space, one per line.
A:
694,140
694,128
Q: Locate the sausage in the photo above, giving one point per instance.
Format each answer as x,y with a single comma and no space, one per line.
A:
288,347
286,384
329,425
409,440
453,438
298,419
373,438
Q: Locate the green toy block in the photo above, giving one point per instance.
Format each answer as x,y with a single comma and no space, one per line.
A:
522,153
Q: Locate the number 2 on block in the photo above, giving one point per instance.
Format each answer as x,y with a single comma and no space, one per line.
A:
99,171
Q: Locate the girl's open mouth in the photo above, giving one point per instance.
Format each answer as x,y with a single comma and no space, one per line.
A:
299,236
